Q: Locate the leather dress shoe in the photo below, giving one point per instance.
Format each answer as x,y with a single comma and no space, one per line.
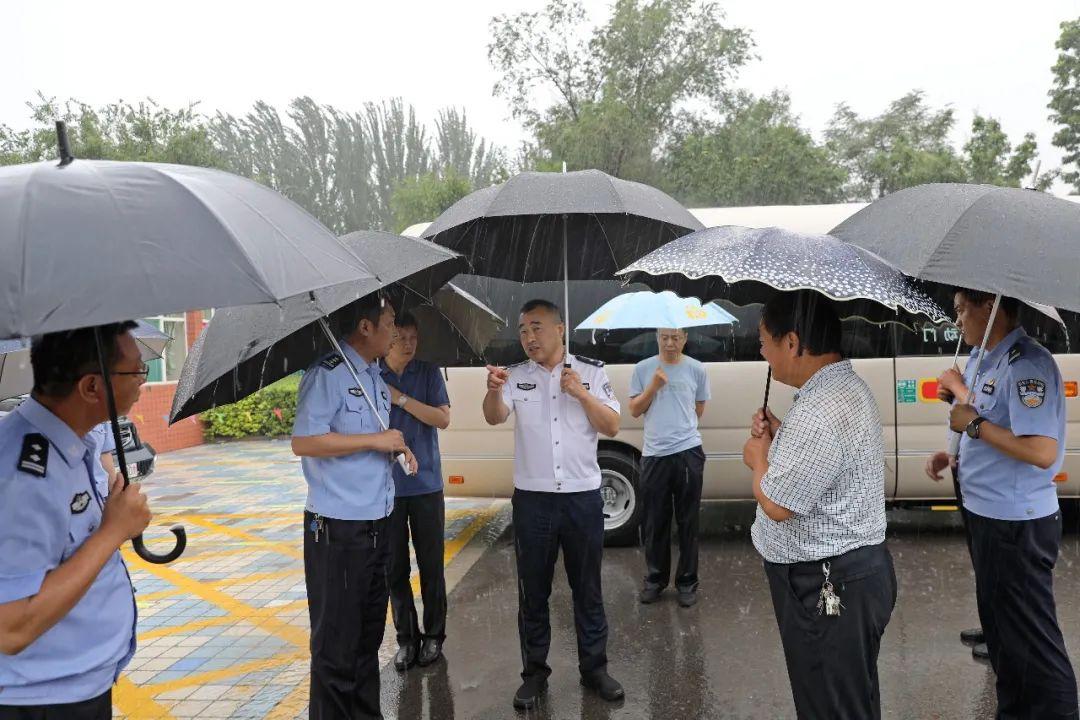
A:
430,651
603,685
405,657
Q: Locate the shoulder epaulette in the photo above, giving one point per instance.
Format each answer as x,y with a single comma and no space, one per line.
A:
517,364
590,361
34,458
332,361
1015,353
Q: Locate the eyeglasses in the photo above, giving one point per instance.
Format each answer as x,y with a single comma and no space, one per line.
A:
144,371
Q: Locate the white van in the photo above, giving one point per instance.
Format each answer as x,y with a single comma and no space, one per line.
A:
899,364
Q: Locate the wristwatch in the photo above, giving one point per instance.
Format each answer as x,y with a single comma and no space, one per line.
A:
402,399
972,429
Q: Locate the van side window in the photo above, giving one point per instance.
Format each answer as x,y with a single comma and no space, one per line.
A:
930,339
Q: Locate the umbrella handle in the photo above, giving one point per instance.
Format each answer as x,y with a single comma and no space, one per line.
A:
151,557
768,384
114,422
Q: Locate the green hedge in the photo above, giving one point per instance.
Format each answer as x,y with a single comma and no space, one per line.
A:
269,413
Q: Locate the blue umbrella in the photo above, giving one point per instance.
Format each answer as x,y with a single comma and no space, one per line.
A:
655,310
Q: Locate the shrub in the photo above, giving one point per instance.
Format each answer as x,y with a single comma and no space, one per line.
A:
268,413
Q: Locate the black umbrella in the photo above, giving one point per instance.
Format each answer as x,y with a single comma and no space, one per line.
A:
748,265
246,348
1007,241
92,242
580,225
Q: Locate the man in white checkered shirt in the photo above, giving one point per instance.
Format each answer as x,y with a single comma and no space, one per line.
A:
819,479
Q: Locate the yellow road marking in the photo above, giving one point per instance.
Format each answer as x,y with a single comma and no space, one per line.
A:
138,702
290,705
253,540
207,678
186,628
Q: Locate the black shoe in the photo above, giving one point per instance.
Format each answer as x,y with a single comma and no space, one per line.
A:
603,685
528,695
974,636
405,657
650,594
981,652
430,651
687,598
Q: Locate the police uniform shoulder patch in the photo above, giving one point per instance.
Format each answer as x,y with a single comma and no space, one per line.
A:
332,361
1015,353
1032,392
80,502
590,361
34,458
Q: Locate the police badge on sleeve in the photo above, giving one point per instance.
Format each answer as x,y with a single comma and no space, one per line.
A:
1032,392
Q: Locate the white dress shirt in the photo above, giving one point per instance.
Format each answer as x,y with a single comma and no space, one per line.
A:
555,444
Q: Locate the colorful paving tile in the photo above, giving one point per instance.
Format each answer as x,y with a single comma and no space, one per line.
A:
223,631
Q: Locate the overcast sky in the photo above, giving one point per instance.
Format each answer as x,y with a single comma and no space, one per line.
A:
992,56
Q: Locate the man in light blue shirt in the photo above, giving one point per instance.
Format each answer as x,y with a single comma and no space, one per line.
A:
1013,446
670,389
347,460
67,609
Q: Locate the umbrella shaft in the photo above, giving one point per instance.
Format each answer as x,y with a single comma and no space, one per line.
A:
352,371
566,291
954,440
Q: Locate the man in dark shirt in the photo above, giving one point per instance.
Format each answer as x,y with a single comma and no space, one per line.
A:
421,408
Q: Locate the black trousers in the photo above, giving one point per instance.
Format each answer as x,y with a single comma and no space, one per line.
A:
345,571
1014,585
832,661
99,708
424,518
543,523
671,482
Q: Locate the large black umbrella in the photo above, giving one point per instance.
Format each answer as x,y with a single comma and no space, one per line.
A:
748,265
1007,241
581,225
246,348
93,242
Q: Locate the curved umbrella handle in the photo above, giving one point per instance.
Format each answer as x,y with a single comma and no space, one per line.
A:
151,557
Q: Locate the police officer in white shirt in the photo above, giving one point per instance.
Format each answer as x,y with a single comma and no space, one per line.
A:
560,408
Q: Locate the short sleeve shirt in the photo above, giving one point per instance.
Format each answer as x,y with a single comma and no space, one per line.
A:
102,438
49,506
671,422
1019,388
351,487
554,442
827,466
423,382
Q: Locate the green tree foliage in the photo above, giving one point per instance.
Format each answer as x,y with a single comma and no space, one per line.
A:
756,155
608,98
424,198
118,131
1065,100
989,157
906,145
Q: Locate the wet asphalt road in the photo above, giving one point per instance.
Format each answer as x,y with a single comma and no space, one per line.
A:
721,658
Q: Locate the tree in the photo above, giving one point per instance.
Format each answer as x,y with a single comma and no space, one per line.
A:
458,150
117,131
906,145
609,98
424,198
990,158
1065,99
758,155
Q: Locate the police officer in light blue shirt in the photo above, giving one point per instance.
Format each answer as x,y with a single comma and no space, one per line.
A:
67,609
347,460
104,444
1013,446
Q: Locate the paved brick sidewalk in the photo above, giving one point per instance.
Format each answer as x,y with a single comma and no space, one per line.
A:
223,631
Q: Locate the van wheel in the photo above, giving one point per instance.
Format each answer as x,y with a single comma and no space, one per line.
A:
619,487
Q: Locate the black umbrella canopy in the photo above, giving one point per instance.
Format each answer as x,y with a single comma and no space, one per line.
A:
1019,243
516,230
748,265
94,241
246,348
